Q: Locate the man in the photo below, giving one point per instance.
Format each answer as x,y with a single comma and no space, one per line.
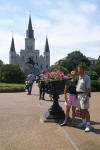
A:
83,90
30,79
42,90
41,87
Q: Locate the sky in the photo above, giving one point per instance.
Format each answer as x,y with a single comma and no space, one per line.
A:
69,24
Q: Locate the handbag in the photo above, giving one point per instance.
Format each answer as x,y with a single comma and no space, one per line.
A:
78,113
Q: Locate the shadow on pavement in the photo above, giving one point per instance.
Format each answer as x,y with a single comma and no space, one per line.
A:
78,121
52,100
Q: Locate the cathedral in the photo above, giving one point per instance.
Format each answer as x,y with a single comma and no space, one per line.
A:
29,58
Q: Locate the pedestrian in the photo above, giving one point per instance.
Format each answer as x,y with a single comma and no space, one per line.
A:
70,98
37,78
41,90
30,79
83,90
26,84
41,87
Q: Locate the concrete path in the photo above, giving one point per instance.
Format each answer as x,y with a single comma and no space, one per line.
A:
22,126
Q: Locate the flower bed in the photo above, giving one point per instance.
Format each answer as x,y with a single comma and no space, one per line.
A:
11,87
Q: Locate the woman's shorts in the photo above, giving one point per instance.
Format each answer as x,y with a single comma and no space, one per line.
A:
70,100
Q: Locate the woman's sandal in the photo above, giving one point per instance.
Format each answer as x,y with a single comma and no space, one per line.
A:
63,124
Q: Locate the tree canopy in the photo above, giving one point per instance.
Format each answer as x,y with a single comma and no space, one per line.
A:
74,59
1,62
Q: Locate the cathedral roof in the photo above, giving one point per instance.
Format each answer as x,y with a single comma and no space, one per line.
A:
12,48
46,45
30,30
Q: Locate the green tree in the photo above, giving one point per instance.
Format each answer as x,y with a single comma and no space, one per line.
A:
11,73
98,61
1,62
74,59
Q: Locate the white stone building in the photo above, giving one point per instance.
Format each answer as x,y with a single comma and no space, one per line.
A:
30,59
93,61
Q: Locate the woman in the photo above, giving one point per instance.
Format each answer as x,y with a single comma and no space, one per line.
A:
70,98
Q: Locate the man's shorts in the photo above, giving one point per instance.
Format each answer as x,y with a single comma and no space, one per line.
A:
80,103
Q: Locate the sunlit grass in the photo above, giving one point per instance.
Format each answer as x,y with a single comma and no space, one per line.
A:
11,84
13,87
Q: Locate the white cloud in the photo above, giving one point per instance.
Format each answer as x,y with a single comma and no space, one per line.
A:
88,7
6,21
40,2
9,7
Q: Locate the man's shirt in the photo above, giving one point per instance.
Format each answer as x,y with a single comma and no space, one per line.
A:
30,78
83,84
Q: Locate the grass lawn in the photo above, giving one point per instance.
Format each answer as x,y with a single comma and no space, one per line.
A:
13,87
11,84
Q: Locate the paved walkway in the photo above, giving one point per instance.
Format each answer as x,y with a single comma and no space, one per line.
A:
22,126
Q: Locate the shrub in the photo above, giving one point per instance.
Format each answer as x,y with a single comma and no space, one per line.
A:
11,73
95,85
73,59
96,68
93,75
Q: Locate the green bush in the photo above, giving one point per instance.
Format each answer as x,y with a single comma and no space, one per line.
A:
96,68
93,75
11,73
95,85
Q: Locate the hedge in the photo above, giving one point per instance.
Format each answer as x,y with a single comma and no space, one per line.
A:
95,85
